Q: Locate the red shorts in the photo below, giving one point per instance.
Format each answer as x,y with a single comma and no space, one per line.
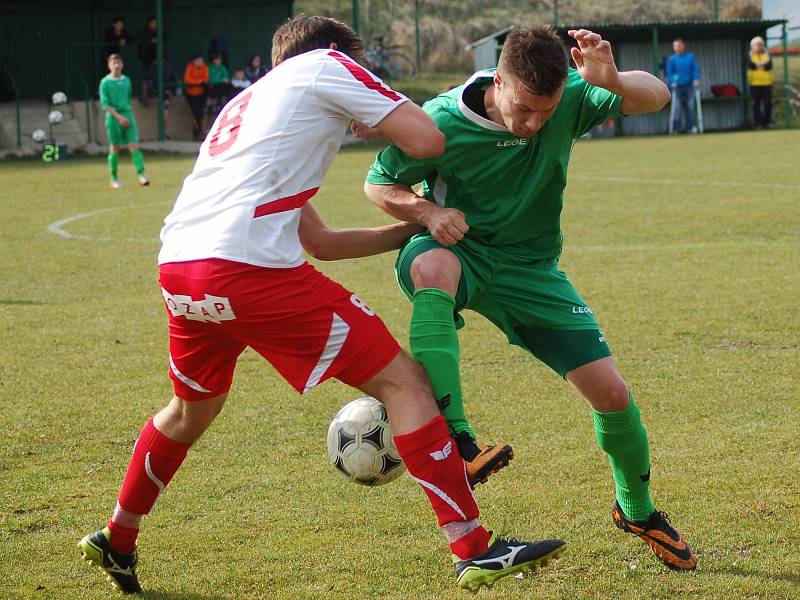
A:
307,326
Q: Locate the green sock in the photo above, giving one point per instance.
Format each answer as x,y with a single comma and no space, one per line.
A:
113,161
434,343
138,161
623,437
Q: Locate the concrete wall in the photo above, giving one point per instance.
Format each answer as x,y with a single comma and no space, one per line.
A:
179,120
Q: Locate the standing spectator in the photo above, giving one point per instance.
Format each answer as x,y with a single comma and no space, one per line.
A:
218,85
254,70
239,81
759,76
115,98
683,74
148,43
150,86
116,37
195,79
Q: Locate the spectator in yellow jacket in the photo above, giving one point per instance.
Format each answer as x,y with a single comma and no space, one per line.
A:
759,77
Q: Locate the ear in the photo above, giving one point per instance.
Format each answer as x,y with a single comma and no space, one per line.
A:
577,57
333,46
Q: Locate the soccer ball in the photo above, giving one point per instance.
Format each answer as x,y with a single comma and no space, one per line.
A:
360,443
39,135
59,98
55,117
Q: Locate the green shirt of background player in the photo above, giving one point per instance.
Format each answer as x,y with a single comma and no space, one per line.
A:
115,98
492,204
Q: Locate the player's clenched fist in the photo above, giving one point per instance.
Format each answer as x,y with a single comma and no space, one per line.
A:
447,225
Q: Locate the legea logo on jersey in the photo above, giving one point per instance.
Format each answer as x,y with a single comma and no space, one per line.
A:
514,142
214,309
579,310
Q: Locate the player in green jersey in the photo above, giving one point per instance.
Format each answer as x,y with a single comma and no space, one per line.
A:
115,98
492,204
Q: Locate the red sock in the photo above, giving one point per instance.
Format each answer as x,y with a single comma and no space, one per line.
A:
432,459
155,460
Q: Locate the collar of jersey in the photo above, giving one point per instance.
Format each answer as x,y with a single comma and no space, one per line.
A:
471,114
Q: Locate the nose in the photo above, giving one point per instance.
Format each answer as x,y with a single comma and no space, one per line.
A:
534,122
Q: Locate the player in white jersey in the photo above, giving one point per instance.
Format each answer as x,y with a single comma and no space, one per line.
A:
232,275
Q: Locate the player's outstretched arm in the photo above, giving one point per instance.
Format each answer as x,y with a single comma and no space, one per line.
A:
324,243
641,92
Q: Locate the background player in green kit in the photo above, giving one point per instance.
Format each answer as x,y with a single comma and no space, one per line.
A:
115,98
492,204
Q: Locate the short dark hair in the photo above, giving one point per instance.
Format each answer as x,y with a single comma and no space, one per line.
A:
117,20
114,56
303,34
536,56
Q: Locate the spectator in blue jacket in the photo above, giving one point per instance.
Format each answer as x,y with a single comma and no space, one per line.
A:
683,75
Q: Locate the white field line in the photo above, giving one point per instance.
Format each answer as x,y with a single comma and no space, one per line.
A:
57,227
694,182
568,248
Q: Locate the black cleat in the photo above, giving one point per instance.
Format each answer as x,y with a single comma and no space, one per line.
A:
119,568
504,557
664,540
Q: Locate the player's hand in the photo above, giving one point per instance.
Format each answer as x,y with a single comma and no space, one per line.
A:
365,132
124,122
594,59
447,225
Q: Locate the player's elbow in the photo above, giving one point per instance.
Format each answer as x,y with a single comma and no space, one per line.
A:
663,95
427,145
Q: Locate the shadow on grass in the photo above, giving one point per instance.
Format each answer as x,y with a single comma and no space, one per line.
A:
792,578
22,302
179,596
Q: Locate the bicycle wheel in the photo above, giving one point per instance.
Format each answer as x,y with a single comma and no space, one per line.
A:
399,65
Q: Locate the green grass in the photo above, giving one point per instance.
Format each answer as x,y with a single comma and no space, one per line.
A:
687,248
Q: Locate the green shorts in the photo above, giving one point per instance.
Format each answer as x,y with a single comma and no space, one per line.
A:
533,303
119,135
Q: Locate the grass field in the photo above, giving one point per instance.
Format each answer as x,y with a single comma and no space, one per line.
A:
687,248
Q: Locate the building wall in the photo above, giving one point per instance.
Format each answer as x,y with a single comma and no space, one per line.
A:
59,45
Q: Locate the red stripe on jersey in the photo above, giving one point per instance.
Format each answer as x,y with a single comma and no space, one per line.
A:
284,204
362,75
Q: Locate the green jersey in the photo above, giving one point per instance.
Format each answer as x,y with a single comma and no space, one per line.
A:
116,93
510,189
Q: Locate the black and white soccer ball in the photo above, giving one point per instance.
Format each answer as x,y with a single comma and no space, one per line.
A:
39,135
58,98
55,117
360,443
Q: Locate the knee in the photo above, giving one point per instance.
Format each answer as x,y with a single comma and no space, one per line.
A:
612,397
437,268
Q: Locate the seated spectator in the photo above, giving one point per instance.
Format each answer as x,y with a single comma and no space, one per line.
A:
759,76
239,81
195,79
218,85
150,86
254,70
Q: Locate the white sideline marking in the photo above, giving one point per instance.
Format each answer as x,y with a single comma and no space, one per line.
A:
695,182
57,227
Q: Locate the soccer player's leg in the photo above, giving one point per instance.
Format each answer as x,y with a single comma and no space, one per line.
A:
567,338
423,441
433,278
622,436
202,360
115,138
132,136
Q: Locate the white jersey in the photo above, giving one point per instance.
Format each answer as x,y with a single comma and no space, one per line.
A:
266,155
